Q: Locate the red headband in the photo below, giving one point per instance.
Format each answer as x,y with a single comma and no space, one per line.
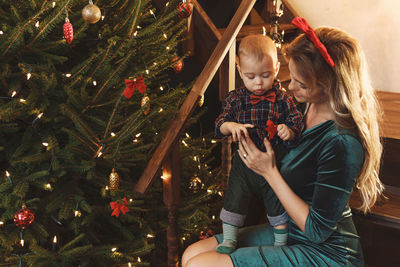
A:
302,24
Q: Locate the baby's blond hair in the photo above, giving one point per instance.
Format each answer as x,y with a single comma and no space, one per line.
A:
258,46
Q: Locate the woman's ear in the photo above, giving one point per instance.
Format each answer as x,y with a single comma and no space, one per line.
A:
278,66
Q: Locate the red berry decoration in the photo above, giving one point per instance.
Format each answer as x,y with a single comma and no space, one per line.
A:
206,234
24,217
178,64
184,10
68,31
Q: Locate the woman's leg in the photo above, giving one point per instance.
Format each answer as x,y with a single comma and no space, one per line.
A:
210,259
197,248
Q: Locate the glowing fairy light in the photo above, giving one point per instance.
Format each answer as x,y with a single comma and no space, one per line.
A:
167,4
147,71
22,100
102,17
68,75
131,200
1,223
28,76
209,191
138,135
138,259
167,47
94,83
213,217
161,88
165,36
150,235
135,33
183,238
155,63
220,193
129,264
114,249
112,134
1,32
135,140
13,93
37,24
40,115
213,141
264,31
45,144
163,177
161,110
184,143
187,135
195,158
22,242
138,27
48,186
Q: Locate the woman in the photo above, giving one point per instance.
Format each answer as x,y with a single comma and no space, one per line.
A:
339,148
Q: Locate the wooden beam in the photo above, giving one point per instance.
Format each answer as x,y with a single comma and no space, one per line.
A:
290,7
207,19
258,29
199,87
390,103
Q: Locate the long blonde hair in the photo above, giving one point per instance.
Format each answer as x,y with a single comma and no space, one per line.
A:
351,97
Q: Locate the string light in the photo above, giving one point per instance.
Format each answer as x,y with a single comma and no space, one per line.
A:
1,223
138,27
37,24
135,140
165,36
167,47
8,177
166,4
138,259
183,238
13,93
28,76
22,100
160,110
131,200
54,243
163,177
150,235
22,242
161,88
68,75
187,135
114,249
45,144
135,33
213,141
138,135
183,142
147,71
112,134
48,186
1,32
53,4
77,213
152,13
129,264
94,83
213,217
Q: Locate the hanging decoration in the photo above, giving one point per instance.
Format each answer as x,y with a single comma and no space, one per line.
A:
271,129
137,83
201,101
68,31
276,37
114,180
91,13
195,184
23,217
145,104
206,234
184,10
178,64
119,207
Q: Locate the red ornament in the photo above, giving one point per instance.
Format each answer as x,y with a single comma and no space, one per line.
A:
178,64
184,10
137,83
23,217
205,235
68,31
119,207
271,129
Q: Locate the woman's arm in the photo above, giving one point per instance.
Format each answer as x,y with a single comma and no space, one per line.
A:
263,163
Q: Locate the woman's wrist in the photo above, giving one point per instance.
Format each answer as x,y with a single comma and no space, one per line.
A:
270,173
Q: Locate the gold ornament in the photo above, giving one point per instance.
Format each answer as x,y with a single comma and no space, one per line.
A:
201,101
145,102
114,180
196,184
91,13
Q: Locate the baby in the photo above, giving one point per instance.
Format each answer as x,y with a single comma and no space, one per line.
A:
258,110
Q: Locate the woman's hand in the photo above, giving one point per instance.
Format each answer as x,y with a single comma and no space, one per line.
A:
262,163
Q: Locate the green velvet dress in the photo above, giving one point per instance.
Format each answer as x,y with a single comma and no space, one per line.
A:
322,170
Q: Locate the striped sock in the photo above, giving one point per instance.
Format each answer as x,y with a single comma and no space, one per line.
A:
280,236
228,245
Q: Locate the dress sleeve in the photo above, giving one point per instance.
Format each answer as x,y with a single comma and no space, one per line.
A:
338,167
293,119
229,108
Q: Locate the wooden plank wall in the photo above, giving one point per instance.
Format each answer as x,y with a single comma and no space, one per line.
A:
390,103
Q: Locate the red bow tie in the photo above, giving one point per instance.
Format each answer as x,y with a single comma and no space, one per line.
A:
132,84
270,96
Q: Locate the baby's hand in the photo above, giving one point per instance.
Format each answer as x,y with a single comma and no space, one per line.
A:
284,132
238,130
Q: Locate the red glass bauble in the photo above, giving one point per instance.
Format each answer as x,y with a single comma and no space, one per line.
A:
184,10
178,65
23,217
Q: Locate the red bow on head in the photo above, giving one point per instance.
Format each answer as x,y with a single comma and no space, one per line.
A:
132,84
270,96
271,129
302,24
118,207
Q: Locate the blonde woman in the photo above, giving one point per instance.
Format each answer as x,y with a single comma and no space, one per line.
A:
340,148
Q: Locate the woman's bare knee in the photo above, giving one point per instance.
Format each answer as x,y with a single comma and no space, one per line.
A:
209,259
197,248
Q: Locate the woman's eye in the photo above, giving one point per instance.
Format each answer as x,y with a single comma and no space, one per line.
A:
266,76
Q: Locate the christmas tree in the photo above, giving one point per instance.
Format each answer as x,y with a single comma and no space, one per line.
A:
87,90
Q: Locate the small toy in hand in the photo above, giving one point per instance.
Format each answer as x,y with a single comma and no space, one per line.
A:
271,129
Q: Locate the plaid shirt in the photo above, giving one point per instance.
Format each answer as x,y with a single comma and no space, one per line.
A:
237,108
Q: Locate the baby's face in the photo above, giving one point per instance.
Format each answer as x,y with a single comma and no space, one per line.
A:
258,75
